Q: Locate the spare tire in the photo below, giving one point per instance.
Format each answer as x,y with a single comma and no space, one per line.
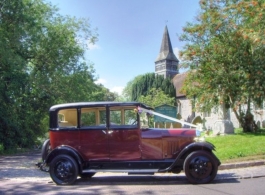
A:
46,149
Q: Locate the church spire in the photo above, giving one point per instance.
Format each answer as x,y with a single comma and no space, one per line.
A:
166,63
166,51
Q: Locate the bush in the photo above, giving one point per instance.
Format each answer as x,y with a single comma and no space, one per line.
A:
1,149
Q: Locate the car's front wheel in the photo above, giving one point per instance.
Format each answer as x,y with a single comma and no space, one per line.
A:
200,167
63,170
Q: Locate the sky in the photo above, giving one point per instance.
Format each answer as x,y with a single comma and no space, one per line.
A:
130,34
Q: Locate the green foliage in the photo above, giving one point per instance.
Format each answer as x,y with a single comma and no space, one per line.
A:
102,94
142,85
1,149
156,97
41,64
127,91
225,52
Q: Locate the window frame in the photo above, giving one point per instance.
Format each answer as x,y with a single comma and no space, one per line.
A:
98,125
123,125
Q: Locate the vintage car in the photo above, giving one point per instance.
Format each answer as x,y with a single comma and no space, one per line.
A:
90,137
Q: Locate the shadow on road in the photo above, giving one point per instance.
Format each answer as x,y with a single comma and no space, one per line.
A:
20,170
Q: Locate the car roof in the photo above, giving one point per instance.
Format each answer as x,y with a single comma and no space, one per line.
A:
103,103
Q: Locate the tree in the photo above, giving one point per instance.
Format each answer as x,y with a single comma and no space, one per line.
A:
225,52
156,97
142,85
41,63
127,91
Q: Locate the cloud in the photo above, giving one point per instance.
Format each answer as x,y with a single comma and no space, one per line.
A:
93,46
117,89
176,52
100,81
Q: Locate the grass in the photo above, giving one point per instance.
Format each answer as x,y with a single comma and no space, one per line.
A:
239,146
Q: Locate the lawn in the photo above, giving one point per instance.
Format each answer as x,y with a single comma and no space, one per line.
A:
239,146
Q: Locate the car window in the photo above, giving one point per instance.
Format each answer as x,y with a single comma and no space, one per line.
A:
123,117
93,117
130,117
102,117
88,118
67,118
115,117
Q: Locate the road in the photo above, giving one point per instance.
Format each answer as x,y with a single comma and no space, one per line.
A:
127,185
18,175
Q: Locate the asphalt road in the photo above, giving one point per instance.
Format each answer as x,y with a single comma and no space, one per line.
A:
19,175
145,186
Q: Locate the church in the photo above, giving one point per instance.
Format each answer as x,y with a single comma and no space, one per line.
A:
221,121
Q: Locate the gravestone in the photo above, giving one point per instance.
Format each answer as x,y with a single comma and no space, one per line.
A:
222,127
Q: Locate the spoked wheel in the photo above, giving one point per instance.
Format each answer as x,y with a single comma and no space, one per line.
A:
63,170
200,167
46,149
86,175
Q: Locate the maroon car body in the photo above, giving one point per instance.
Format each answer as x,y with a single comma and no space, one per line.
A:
90,137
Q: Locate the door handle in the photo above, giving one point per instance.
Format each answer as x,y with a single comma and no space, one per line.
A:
107,132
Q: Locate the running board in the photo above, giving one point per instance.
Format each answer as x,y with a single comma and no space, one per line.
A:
130,171
139,173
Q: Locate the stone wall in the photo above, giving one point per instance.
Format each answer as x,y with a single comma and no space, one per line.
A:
219,122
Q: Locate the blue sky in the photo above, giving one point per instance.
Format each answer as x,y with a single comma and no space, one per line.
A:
130,33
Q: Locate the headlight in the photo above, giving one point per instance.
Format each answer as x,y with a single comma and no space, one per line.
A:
198,133
198,137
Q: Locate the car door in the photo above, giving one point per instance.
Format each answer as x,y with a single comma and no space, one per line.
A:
124,134
65,130
94,144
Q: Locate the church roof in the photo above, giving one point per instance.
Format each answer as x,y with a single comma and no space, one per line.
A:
166,51
178,82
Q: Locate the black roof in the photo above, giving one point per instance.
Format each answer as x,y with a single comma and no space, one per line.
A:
106,103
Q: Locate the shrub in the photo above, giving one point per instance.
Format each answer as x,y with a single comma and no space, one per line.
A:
1,149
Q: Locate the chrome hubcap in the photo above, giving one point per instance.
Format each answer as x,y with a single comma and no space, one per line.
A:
200,167
63,169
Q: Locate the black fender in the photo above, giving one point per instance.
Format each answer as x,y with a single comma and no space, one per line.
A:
65,150
206,146
45,149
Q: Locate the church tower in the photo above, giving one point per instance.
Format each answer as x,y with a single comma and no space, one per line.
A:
166,63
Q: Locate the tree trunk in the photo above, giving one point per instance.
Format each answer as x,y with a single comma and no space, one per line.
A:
246,121
249,123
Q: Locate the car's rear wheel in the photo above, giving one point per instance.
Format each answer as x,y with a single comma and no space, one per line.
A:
86,175
63,170
200,167
46,149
